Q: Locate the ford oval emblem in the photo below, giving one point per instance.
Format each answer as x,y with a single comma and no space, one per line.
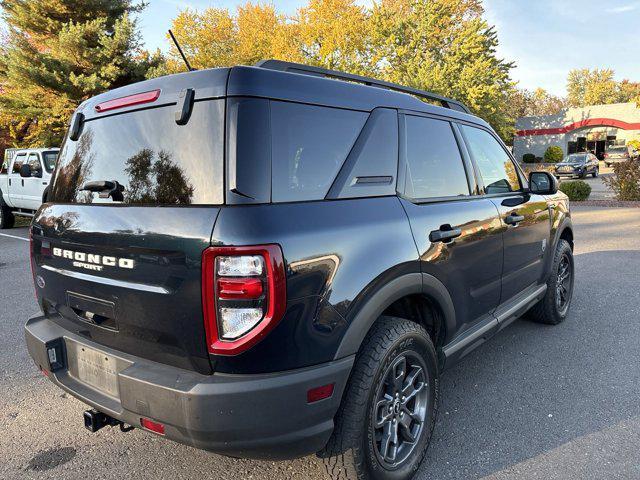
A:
40,281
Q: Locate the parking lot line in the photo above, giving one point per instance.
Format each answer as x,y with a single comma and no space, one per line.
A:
13,236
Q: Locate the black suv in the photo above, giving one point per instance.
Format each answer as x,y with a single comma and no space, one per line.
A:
277,260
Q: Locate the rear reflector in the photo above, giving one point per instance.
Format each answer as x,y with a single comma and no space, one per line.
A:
152,426
129,101
246,288
320,393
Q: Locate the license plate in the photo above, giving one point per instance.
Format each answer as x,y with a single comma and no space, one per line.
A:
97,370
566,169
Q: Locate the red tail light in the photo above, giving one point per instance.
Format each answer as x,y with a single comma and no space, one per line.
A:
137,99
243,296
606,155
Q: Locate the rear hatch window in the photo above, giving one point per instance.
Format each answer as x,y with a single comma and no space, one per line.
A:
156,161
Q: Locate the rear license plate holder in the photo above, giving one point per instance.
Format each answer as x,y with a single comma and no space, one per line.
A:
97,369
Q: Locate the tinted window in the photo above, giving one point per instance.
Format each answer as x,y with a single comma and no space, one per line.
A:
153,158
576,158
309,145
49,159
5,166
498,171
17,164
434,164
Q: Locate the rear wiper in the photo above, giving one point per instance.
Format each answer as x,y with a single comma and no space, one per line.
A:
106,189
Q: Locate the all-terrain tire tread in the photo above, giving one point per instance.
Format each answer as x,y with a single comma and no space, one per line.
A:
342,457
545,310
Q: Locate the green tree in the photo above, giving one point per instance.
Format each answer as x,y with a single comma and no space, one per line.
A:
526,103
599,87
60,52
444,46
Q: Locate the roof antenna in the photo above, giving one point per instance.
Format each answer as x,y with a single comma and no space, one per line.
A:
173,37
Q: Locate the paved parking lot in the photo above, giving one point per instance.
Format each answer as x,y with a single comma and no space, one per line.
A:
536,402
598,190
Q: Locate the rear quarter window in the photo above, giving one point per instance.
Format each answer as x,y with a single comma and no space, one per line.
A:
309,145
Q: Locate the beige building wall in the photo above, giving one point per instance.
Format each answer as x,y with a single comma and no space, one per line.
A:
596,122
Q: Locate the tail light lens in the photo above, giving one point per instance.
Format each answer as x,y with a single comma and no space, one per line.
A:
243,296
606,155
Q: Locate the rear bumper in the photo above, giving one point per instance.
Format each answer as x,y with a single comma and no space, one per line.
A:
575,173
250,416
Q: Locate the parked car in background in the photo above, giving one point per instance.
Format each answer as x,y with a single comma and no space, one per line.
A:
620,153
24,178
578,165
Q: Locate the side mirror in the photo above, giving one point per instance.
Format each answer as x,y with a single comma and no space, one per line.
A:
543,183
25,170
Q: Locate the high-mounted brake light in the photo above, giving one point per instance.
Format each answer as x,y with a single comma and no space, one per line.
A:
243,295
128,101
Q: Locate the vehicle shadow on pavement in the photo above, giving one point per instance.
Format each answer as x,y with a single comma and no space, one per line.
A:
533,388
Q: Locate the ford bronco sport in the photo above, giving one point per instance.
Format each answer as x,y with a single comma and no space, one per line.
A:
278,260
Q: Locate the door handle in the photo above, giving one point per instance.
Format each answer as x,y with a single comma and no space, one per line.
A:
444,235
23,183
513,219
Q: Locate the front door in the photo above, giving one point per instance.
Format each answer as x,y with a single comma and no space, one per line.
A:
16,182
525,217
32,193
458,233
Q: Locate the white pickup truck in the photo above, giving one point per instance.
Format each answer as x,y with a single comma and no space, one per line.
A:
24,177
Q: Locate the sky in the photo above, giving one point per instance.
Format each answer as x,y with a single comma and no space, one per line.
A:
545,38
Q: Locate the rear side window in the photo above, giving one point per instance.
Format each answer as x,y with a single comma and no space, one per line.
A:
35,165
49,160
5,166
433,161
496,168
156,161
309,145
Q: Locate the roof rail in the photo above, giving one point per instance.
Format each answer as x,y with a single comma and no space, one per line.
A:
323,72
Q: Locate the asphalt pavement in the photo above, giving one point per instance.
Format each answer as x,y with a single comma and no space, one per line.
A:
536,402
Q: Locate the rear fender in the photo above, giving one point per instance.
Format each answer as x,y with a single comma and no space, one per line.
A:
409,284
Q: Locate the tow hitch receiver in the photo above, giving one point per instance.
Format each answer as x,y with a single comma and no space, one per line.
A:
95,420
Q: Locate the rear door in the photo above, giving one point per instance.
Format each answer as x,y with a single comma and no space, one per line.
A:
123,269
525,217
458,233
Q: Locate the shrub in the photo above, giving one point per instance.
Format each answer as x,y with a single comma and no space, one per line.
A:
538,168
553,154
577,191
625,181
528,158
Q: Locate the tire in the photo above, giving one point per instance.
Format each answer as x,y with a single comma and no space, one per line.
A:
595,173
550,310
356,449
7,219
608,165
